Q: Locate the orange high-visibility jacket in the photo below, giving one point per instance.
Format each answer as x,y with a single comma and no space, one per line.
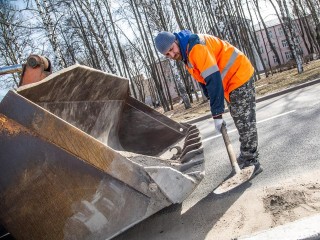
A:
212,61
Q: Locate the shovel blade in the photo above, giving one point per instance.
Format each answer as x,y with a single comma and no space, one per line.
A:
236,180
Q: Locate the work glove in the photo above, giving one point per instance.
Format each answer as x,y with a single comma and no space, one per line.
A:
218,123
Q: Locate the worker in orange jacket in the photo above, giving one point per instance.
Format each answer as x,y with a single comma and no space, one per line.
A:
224,72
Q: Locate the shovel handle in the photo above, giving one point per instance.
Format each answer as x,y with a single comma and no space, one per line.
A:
232,155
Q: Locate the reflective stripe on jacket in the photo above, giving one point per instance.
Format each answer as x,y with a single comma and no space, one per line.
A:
213,55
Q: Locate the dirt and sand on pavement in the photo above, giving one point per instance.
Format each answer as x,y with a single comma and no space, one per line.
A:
275,205
240,213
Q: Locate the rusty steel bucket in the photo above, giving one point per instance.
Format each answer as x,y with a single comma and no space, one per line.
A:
81,159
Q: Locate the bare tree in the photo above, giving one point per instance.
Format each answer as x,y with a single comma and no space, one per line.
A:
288,27
14,39
44,10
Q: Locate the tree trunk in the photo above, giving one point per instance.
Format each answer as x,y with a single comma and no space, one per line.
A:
181,88
48,26
292,37
176,14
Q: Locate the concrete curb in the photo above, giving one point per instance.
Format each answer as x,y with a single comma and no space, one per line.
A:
272,95
305,228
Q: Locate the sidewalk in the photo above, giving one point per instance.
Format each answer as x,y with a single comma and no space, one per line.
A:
306,228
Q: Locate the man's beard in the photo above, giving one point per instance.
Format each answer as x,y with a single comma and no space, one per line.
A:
177,57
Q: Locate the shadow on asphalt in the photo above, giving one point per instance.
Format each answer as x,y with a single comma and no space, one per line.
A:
171,224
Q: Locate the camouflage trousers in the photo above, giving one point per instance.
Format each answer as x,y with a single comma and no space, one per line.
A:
242,107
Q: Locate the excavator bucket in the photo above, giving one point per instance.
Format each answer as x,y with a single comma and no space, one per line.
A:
81,159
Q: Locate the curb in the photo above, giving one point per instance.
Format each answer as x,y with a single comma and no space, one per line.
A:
303,229
272,95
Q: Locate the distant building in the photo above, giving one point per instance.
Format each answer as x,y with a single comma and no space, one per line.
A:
146,89
149,91
278,39
167,75
165,63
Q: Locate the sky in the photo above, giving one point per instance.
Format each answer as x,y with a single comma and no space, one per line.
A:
267,12
267,9
19,3
2,93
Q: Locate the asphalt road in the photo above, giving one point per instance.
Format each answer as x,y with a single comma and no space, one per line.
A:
288,130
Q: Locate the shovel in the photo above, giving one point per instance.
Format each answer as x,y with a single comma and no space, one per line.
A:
241,175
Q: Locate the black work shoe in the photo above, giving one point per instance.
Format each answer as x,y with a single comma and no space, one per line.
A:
257,168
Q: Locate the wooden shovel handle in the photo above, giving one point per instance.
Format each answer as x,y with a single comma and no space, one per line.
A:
232,155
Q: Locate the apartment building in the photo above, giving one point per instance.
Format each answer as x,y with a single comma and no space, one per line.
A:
278,39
